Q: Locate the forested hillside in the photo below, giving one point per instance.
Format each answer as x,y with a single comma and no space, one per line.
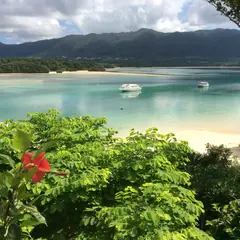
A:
145,46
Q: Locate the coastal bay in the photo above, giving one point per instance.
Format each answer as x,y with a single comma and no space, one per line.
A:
169,100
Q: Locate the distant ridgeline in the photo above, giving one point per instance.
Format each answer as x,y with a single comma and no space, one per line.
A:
144,47
35,65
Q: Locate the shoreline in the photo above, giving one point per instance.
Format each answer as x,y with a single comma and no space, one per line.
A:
85,72
190,67
197,139
204,67
110,72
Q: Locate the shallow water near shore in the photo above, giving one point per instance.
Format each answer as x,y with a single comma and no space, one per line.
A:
168,102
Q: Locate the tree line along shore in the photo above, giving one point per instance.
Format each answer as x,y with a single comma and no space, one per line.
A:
46,65
36,65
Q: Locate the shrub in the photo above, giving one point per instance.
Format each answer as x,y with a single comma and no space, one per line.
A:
117,189
215,178
18,215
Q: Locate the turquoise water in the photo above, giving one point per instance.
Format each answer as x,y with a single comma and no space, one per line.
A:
180,71
167,102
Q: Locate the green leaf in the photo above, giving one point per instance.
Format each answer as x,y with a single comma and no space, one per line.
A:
14,232
4,159
22,192
86,221
33,217
29,174
2,231
6,180
45,147
3,207
92,221
21,141
59,236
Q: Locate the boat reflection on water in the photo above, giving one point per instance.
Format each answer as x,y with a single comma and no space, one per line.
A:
205,89
130,94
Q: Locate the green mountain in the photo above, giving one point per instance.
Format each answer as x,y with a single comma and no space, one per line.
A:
144,45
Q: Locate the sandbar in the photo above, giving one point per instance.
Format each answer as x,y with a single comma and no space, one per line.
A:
85,72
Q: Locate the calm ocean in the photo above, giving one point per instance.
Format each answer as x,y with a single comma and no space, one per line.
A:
167,102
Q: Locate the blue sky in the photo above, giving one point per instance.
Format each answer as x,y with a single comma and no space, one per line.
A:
31,20
69,27
183,14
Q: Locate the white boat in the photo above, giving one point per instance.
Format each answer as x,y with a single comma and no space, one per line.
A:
130,88
202,84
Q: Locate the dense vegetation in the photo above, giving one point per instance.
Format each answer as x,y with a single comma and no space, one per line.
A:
140,188
229,8
36,65
216,180
145,46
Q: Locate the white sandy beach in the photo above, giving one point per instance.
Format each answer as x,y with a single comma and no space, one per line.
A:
198,139
85,72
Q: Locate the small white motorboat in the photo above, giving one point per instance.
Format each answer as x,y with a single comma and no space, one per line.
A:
202,84
130,88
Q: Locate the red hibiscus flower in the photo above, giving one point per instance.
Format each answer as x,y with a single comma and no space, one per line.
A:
42,165
40,162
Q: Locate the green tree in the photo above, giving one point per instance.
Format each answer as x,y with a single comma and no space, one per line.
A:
229,8
36,65
215,178
116,189
227,225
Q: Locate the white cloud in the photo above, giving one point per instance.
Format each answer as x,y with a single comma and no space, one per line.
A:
202,13
24,27
175,25
37,19
117,16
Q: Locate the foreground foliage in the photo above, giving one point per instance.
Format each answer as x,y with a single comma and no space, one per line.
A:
216,180
18,215
117,189
227,226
